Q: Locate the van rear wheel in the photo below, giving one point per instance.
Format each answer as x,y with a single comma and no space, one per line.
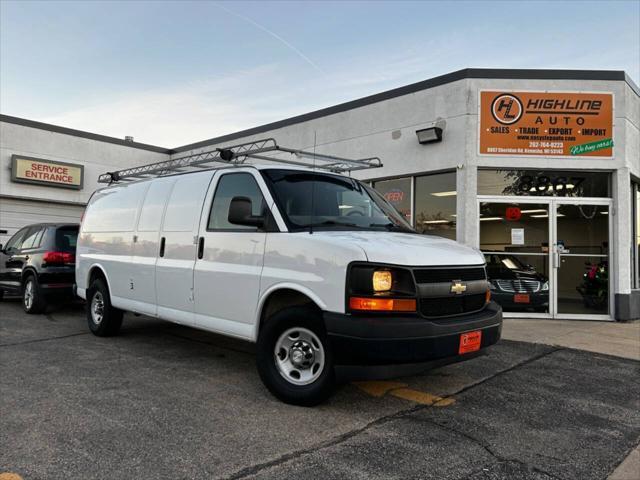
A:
294,357
104,320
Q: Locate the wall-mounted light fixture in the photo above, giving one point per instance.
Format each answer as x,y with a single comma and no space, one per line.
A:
432,133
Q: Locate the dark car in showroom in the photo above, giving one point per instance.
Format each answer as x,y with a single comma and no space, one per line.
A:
38,263
515,285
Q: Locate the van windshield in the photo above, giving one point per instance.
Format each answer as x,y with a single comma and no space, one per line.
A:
330,202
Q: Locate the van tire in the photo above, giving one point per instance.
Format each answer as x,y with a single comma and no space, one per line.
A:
32,297
305,325
104,320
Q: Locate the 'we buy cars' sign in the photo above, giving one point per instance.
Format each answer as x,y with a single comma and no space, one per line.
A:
46,172
548,124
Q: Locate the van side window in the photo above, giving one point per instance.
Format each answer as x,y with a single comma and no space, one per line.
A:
153,205
234,185
185,205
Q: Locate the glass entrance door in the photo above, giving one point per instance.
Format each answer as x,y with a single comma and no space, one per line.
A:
548,257
514,237
581,260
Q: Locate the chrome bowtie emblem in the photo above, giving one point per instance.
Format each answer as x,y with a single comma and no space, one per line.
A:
458,287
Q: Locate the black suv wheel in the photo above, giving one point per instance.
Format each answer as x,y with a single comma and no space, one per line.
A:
294,358
103,319
32,298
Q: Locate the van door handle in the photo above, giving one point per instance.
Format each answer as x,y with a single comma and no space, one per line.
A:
162,241
201,247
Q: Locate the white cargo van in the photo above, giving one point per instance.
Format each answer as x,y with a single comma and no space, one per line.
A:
316,268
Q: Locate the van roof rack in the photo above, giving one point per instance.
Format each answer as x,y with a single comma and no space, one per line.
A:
237,155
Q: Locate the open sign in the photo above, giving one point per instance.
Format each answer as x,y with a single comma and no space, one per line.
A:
394,196
513,214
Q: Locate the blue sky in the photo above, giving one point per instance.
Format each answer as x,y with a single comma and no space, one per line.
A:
170,73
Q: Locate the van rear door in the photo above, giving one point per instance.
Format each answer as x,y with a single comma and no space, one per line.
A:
177,247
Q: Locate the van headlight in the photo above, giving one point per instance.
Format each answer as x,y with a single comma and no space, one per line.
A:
382,280
380,288
545,286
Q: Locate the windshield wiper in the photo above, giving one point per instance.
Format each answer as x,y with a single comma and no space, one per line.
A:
392,227
331,223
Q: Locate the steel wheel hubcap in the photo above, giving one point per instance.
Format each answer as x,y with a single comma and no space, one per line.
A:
28,294
299,356
97,308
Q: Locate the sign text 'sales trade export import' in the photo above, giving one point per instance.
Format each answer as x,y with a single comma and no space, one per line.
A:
550,124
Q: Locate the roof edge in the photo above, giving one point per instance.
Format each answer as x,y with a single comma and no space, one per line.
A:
495,73
82,134
467,73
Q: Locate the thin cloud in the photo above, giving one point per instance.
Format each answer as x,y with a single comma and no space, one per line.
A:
186,112
272,34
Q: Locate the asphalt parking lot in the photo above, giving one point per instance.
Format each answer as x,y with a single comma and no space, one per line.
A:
164,401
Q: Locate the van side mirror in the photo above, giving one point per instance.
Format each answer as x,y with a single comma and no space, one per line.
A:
240,213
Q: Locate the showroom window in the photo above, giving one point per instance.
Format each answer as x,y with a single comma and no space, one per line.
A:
435,204
398,193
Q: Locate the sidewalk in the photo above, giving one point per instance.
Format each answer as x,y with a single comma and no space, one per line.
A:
611,338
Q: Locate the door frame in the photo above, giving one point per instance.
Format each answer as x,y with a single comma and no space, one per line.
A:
557,201
552,203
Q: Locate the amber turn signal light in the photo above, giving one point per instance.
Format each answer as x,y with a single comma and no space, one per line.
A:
488,296
382,304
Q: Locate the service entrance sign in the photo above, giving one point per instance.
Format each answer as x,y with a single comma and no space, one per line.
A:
46,172
548,124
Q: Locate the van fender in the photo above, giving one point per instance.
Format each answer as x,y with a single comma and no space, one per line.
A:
284,286
104,273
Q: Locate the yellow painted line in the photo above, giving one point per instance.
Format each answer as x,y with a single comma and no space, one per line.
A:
10,476
445,402
423,398
379,389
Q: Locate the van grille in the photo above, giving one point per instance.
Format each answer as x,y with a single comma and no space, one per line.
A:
438,300
446,306
446,275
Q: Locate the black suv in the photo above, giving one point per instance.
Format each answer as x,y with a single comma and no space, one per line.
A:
38,263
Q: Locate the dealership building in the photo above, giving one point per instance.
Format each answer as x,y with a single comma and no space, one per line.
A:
539,169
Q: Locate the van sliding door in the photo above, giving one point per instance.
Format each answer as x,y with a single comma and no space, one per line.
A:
177,247
146,246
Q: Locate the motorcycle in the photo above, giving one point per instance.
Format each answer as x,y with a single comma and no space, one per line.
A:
595,286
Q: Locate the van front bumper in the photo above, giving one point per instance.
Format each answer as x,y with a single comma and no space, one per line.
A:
384,340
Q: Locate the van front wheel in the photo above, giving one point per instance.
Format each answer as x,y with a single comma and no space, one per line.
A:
294,358
103,319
